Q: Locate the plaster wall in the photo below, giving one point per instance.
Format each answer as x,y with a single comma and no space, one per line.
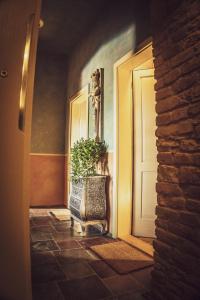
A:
48,128
120,28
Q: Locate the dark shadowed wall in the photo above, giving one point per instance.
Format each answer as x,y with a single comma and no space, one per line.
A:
48,131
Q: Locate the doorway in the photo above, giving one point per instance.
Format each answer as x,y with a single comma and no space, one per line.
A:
135,146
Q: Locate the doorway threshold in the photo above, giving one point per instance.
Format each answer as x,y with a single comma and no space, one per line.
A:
138,243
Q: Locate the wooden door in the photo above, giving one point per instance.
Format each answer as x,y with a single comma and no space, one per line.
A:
145,163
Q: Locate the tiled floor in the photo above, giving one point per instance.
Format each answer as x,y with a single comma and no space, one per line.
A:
64,268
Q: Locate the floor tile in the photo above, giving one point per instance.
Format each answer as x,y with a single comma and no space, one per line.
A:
87,243
102,269
93,255
90,288
40,258
143,276
31,223
68,244
63,266
40,211
40,236
68,234
47,291
55,221
59,216
43,228
49,245
121,283
132,296
63,227
77,270
73,256
57,212
41,220
46,273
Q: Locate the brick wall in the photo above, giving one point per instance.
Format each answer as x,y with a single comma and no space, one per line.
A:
176,45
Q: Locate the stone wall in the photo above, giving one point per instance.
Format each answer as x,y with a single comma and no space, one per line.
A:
177,62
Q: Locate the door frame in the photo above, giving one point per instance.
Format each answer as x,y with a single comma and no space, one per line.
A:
83,91
123,148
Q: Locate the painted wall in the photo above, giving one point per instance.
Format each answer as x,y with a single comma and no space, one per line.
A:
48,128
48,131
120,29
15,280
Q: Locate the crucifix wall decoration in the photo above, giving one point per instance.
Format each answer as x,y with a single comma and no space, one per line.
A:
96,104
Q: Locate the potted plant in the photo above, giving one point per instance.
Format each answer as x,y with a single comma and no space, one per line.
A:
87,198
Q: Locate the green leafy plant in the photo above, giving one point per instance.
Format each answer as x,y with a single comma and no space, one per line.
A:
85,155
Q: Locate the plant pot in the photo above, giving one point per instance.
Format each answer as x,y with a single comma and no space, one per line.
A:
88,200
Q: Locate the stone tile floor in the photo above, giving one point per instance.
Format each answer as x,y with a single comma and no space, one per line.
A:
64,268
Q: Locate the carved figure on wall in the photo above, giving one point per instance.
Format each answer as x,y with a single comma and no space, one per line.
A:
96,98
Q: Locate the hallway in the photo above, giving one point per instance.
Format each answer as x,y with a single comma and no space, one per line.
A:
63,266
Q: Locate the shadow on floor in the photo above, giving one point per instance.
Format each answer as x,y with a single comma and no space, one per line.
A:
63,266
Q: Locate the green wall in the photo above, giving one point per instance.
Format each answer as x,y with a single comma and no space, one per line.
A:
119,30
48,119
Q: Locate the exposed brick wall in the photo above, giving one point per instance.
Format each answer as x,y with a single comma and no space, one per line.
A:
176,45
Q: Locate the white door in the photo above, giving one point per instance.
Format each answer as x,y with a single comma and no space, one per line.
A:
145,160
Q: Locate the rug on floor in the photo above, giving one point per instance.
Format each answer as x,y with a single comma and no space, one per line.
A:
122,257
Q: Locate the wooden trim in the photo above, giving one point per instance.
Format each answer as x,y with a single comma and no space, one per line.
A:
48,154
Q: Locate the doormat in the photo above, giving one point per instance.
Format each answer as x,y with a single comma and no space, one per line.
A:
122,257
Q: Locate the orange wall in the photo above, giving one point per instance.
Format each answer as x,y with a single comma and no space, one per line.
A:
48,130
15,281
47,179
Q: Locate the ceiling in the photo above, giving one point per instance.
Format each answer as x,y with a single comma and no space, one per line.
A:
66,22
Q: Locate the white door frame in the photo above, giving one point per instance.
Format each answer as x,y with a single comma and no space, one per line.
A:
123,146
